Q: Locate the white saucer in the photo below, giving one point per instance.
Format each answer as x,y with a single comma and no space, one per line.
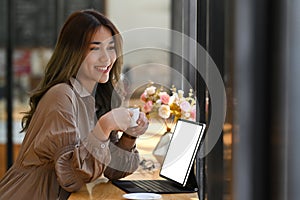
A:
144,196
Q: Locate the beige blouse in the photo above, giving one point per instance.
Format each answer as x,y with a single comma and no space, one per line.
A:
60,152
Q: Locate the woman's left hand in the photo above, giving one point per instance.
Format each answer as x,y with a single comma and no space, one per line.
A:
143,124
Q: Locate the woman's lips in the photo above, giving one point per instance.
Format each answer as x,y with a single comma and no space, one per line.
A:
103,69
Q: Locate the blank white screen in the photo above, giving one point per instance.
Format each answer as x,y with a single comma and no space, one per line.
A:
180,155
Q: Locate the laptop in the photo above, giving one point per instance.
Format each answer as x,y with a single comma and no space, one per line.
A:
177,168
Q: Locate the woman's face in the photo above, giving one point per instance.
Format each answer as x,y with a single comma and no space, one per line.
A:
99,60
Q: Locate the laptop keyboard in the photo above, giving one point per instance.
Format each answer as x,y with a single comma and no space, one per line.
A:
158,186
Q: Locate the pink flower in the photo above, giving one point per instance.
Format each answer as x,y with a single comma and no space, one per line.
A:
185,106
193,112
148,106
143,97
164,97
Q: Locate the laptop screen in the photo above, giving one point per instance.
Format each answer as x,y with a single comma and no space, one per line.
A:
182,151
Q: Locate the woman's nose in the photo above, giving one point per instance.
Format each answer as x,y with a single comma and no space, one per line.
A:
104,56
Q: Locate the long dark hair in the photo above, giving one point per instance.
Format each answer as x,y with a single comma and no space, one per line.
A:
70,50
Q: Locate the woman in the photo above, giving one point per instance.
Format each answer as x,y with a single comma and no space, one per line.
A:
65,144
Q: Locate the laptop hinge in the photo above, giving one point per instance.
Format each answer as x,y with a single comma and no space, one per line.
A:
192,182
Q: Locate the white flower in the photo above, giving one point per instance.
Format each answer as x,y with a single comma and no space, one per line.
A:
150,90
180,93
164,111
186,115
172,99
158,102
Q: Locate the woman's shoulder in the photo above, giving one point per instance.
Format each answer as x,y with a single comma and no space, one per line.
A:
60,89
60,92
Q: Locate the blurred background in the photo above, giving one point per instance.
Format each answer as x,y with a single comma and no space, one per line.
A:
253,43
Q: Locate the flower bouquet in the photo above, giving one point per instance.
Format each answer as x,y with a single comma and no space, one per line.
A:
169,107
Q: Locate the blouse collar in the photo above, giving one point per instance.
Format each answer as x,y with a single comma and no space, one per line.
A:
80,89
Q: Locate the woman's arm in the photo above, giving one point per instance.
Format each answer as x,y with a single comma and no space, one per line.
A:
125,157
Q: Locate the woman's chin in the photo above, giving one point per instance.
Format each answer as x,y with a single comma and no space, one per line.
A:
103,80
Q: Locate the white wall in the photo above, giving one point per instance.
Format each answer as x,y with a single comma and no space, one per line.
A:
129,14
134,18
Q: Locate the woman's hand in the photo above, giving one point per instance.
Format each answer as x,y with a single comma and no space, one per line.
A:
127,142
117,119
143,124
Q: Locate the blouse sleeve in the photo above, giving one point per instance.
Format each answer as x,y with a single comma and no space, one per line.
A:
75,165
123,162
75,162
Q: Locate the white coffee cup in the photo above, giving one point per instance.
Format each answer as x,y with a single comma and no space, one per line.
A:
134,117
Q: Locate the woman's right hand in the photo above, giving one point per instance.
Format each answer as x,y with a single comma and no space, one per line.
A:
116,119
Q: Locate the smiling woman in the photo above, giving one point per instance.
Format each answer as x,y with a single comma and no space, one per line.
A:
99,60
66,144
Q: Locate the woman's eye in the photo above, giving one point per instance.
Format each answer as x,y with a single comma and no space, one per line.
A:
95,48
111,48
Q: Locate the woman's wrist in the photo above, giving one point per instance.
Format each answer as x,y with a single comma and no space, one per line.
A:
129,136
100,133
106,124
103,128
127,142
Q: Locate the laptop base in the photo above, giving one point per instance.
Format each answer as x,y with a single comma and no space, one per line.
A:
157,186
152,186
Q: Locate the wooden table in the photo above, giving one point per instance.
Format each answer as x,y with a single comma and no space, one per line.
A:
107,191
102,189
